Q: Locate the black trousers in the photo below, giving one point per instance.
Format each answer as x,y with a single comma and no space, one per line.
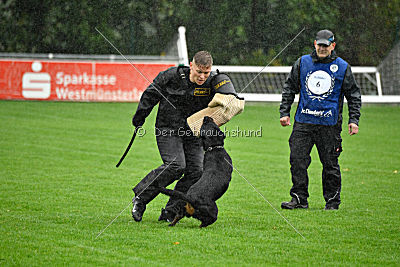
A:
329,145
182,154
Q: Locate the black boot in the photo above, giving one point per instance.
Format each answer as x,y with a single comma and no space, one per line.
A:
295,204
138,209
332,206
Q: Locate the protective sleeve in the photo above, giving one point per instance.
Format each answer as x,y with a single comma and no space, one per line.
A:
222,108
290,89
352,92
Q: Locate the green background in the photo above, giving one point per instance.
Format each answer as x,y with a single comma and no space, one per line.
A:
60,189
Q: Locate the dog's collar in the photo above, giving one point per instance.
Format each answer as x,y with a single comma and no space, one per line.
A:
213,147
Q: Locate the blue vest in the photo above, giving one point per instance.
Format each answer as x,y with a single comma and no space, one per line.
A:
320,91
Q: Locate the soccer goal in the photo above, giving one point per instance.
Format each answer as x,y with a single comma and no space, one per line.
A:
266,83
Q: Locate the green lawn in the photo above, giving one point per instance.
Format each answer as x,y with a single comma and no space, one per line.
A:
60,189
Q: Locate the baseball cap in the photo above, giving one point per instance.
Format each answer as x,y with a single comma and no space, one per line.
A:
325,37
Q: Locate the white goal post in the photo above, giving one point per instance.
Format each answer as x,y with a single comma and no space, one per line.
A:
256,83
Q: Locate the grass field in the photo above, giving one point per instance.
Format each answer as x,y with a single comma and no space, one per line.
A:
60,189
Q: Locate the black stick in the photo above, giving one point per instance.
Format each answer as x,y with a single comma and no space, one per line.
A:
129,147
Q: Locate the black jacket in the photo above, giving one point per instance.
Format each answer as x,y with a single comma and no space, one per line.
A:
178,97
350,90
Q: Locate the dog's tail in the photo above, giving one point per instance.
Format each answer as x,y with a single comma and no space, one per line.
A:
174,193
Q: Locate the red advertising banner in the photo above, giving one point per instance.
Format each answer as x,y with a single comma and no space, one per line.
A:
75,80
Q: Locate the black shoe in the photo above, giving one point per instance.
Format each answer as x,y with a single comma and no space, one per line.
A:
138,209
294,204
331,206
167,216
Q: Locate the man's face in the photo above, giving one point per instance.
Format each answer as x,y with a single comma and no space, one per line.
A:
199,73
324,50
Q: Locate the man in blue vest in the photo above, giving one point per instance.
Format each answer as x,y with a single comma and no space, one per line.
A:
323,80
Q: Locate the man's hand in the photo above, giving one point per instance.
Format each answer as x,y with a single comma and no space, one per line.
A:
353,128
285,121
137,122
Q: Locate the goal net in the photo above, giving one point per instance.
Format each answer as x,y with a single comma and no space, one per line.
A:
266,83
390,69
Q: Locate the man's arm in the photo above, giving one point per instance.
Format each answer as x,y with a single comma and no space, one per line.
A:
150,97
290,89
352,92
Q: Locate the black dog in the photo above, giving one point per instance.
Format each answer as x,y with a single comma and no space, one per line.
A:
199,201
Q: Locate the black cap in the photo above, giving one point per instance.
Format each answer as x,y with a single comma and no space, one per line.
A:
325,37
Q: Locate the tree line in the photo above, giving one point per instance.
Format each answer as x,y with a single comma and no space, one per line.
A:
236,32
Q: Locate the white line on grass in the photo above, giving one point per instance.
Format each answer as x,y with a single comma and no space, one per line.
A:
266,200
136,196
114,219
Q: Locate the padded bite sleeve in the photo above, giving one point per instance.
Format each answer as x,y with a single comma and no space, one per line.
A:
221,109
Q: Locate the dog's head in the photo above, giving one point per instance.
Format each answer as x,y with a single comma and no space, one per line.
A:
211,134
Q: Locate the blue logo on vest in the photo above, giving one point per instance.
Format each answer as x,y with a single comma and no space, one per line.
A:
320,91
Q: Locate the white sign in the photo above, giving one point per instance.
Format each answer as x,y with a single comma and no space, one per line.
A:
36,85
319,82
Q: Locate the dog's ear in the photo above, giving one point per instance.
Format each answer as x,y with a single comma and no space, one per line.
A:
207,119
204,126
